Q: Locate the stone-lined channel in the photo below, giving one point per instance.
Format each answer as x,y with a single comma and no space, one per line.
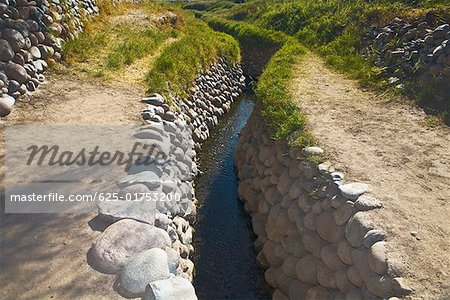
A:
224,255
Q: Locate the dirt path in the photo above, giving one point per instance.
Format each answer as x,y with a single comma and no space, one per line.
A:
407,164
43,256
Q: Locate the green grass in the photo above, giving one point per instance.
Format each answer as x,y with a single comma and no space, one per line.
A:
273,87
246,33
335,29
107,47
136,45
177,66
277,101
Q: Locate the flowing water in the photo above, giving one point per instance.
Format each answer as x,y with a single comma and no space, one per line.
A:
225,265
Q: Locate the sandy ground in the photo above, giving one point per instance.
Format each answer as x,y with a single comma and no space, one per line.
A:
386,144
43,256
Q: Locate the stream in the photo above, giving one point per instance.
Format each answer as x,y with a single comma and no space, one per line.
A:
225,260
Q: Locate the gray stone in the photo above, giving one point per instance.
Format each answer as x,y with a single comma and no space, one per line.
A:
6,51
378,258
366,202
35,52
373,236
400,288
143,211
154,99
306,269
353,190
122,241
6,104
174,288
16,72
148,178
357,228
310,151
142,269
327,228
14,38
343,213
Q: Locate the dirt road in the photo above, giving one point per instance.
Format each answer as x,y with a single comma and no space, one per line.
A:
43,256
386,144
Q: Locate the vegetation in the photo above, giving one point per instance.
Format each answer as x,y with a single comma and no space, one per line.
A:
334,28
179,63
273,91
171,55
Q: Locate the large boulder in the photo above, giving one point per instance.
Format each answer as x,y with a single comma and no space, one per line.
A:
14,38
6,51
144,268
174,288
143,211
16,72
6,104
122,241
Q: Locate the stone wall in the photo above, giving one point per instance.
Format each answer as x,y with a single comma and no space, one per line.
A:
411,49
315,236
31,36
148,244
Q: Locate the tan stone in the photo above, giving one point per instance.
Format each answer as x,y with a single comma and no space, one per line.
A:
313,244
304,203
354,294
269,253
379,286
269,276
327,228
360,259
278,295
298,290
344,251
289,265
357,228
306,269
319,293
308,221
343,213
342,281
377,258
325,276
331,259
284,182
354,277
282,280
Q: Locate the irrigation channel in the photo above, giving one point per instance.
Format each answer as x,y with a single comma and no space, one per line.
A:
225,265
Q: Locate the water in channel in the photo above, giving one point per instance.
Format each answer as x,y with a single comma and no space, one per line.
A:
225,265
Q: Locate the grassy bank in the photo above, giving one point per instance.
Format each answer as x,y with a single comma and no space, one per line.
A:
335,29
272,89
176,66
128,42
277,101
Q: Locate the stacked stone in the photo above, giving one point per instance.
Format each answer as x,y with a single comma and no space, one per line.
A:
315,236
148,245
31,35
210,98
405,49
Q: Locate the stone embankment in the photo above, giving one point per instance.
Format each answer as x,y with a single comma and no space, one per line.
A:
315,236
148,245
31,37
416,49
